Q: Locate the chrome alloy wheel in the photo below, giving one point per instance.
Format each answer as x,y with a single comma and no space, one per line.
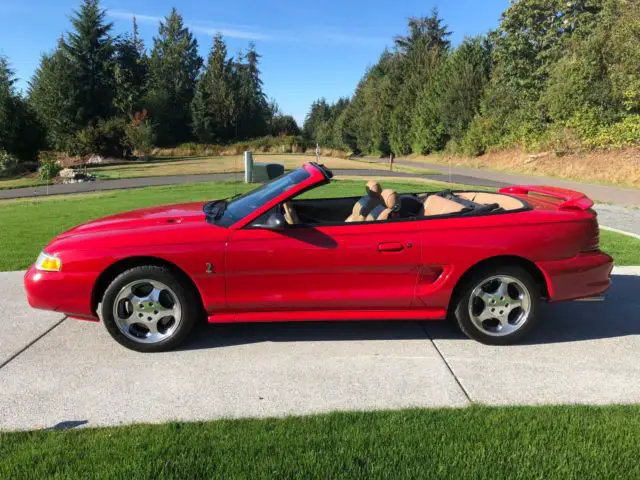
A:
147,311
499,305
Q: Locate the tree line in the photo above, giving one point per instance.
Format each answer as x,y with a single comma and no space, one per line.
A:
97,92
555,74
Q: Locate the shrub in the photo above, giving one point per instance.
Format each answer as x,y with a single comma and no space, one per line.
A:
107,138
8,164
478,137
621,134
139,134
49,167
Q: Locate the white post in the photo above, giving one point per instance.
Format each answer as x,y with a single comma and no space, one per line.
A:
248,167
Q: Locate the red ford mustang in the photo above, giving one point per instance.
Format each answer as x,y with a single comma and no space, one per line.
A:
485,260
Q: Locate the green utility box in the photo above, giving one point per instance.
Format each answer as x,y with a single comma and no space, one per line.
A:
263,172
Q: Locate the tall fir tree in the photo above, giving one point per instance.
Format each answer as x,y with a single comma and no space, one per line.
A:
21,134
52,94
251,104
130,72
173,69
90,50
214,103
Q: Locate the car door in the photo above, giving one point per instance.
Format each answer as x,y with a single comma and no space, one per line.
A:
335,267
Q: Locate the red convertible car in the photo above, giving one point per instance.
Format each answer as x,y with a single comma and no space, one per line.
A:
486,260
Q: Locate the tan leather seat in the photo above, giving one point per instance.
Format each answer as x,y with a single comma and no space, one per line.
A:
290,215
436,205
505,201
390,207
367,203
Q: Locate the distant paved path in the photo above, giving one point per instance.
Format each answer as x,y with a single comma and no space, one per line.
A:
623,218
603,193
102,185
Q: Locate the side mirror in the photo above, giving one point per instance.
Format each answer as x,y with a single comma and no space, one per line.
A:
274,221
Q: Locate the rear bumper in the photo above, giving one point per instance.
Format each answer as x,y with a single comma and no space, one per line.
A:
68,293
585,275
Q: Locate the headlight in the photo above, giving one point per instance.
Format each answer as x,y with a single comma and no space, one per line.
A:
48,263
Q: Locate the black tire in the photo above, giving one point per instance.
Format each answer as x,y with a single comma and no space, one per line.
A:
462,317
190,305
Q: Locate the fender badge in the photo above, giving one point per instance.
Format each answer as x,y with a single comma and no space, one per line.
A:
210,268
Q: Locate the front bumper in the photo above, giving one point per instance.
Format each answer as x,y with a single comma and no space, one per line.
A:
64,292
585,275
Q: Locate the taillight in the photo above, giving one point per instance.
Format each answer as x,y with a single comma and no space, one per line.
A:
592,236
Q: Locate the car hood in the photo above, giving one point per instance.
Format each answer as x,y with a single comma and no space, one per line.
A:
183,213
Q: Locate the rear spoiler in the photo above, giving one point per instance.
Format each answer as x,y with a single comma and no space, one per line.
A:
571,200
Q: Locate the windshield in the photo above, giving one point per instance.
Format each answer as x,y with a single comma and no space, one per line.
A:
243,205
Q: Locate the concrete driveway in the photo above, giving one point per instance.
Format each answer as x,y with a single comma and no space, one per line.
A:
65,373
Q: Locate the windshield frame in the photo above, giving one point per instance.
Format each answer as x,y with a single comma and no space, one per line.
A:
309,176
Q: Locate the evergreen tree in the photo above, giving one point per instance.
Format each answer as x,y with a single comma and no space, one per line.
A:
130,72
90,49
214,103
52,94
252,109
424,32
173,68
21,134
283,125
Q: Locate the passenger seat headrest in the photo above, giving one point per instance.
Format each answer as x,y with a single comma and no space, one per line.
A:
390,199
373,187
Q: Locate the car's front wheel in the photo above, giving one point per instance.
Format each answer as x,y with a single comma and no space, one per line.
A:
497,306
148,309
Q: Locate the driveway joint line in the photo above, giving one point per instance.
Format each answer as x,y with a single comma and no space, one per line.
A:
32,342
453,374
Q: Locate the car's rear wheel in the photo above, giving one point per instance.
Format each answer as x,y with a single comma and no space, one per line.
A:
148,309
498,306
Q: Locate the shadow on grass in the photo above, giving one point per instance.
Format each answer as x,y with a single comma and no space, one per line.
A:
617,316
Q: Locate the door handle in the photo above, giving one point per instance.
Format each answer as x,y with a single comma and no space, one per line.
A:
390,247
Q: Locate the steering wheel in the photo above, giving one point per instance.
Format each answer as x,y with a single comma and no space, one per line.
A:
290,214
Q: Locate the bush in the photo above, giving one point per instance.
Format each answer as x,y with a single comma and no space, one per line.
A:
621,134
49,167
478,137
139,134
8,164
107,138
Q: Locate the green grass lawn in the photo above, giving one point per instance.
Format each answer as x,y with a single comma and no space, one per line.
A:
26,226
624,249
477,442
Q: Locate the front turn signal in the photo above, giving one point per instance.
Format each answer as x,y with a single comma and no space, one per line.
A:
48,263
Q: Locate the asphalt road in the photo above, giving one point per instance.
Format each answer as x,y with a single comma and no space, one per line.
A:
66,373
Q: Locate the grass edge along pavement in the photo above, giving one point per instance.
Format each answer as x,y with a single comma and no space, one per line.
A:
27,225
473,442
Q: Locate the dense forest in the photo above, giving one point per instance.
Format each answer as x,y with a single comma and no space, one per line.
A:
556,74
97,92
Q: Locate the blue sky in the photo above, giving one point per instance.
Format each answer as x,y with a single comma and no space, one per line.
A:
309,49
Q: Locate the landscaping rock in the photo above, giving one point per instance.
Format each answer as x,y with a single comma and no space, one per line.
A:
70,175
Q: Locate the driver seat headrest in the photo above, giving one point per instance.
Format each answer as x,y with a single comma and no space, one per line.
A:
389,209
373,188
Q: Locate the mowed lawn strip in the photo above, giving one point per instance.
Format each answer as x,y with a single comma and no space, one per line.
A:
26,226
476,442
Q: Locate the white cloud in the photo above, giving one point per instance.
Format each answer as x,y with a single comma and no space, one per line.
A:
244,32
202,29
